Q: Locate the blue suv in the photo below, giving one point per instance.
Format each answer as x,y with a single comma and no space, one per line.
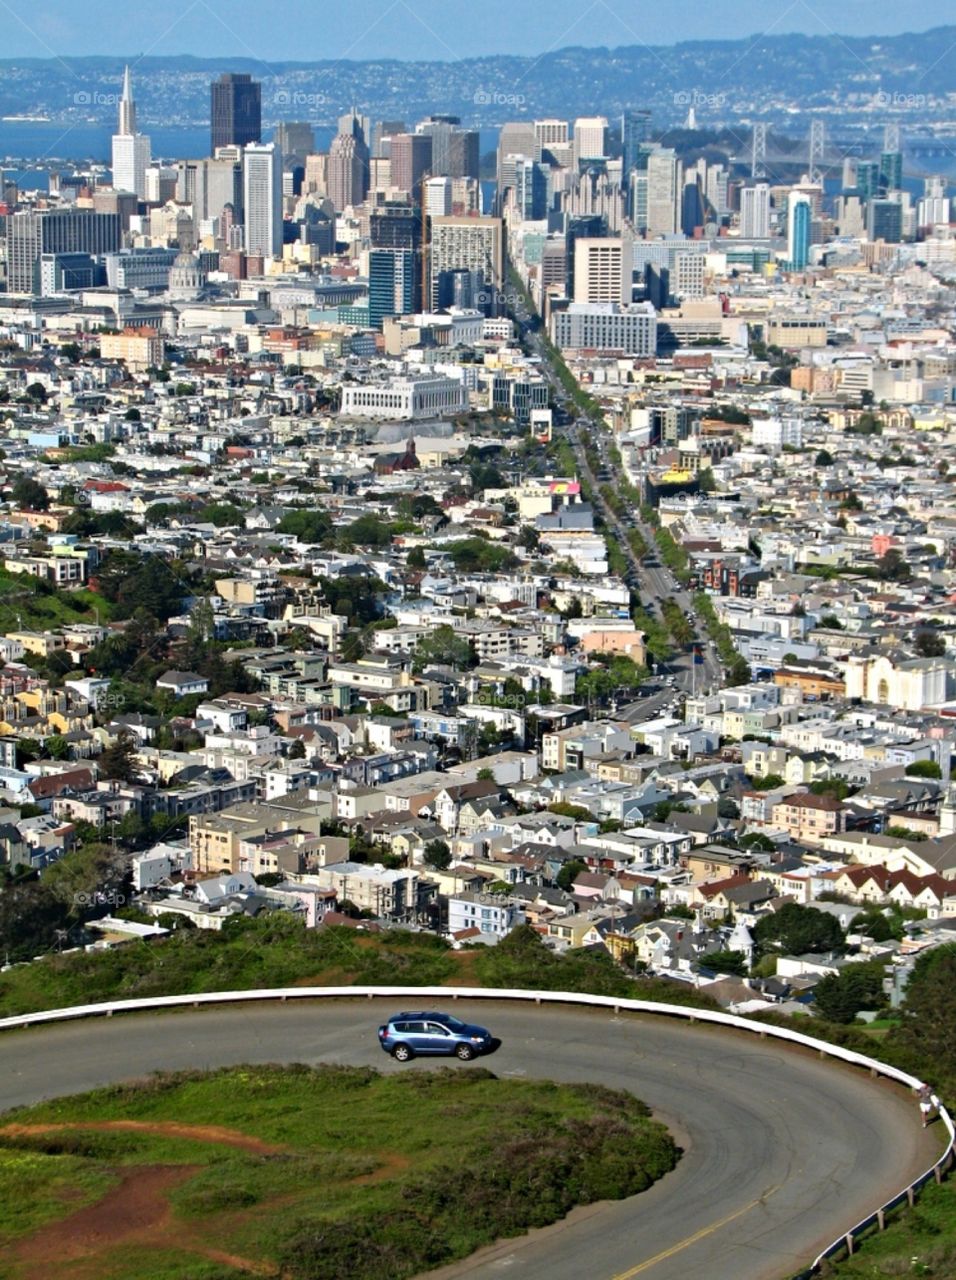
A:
408,1034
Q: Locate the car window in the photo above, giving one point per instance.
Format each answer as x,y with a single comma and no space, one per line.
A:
436,1029
400,1027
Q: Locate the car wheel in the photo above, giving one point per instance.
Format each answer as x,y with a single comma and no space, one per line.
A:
465,1052
402,1053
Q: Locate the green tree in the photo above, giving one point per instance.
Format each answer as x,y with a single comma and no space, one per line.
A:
734,962
119,760
30,494
797,930
437,855
57,747
569,872
839,997
928,1026
923,769
443,647
416,558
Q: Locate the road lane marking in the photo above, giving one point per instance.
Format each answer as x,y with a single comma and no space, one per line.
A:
698,1235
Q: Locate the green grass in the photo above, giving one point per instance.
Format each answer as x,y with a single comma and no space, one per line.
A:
918,1242
26,602
362,1174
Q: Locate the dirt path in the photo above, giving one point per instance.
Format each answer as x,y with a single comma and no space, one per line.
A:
134,1209
159,1128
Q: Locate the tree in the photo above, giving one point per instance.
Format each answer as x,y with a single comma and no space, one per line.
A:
416,558
569,872
757,840
87,877
839,997
442,647
824,459
734,962
297,750
57,747
437,855
485,775
30,494
928,1027
929,644
796,930
119,760
37,392
923,769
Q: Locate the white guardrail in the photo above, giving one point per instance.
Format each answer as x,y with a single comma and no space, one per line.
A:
844,1242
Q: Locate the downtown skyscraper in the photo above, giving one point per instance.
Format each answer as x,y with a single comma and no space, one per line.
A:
131,150
236,111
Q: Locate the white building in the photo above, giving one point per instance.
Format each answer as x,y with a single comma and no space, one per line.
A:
755,212
262,199
606,326
406,398
131,150
483,911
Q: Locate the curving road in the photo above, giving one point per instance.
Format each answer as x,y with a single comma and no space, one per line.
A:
783,1151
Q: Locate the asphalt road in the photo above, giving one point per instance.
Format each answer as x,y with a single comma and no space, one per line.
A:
782,1151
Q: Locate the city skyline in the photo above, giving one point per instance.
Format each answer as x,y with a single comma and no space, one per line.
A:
416,29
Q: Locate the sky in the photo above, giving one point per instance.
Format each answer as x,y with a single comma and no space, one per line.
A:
425,29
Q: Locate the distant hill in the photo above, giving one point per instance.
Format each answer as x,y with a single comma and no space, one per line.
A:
855,82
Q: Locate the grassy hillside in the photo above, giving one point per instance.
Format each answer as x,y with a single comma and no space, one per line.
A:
312,1174
27,602
277,951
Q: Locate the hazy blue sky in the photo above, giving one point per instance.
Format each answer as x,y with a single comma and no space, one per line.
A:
432,29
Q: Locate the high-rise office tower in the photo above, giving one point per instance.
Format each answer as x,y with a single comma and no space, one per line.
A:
131,150
516,138
348,170
691,205
590,138
295,138
356,123
718,182
209,185
891,171
799,218
755,211
262,199
395,225
603,270
411,156
663,192
936,206
454,150
466,244
884,221
530,189
55,231
392,284
867,178
438,197
236,115
635,133
551,134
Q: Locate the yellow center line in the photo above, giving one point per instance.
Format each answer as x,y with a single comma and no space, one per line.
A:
698,1235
